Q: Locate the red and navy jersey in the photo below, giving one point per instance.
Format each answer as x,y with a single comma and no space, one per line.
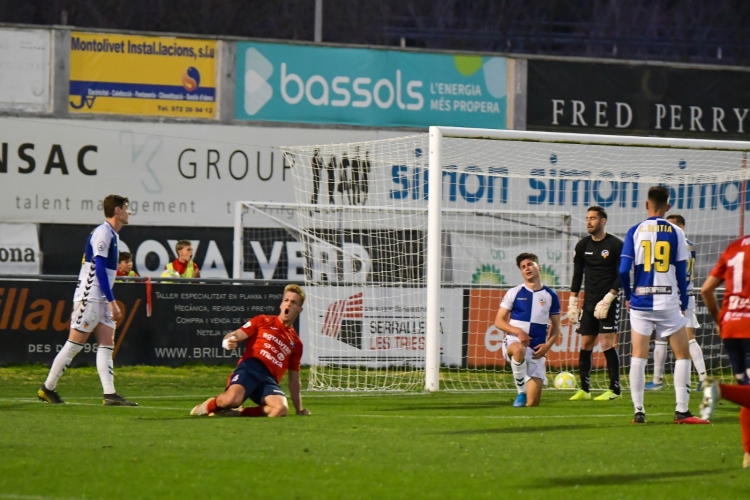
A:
272,342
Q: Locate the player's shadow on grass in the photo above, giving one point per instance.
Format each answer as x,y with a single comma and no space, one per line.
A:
523,429
615,479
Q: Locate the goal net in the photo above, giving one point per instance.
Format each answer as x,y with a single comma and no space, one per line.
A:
401,299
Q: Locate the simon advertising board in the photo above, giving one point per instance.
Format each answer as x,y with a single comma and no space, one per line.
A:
377,88
25,68
142,75
58,171
638,99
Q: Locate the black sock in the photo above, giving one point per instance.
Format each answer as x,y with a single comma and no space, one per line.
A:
584,365
613,367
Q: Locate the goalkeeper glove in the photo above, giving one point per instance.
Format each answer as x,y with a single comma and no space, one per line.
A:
602,308
573,310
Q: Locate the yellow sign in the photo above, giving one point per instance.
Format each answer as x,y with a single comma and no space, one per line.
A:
142,75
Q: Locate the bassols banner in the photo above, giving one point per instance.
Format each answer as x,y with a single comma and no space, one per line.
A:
26,66
59,171
378,88
638,99
142,75
186,325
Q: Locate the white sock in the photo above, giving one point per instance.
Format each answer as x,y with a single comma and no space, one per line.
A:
696,353
105,368
61,362
660,358
682,383
519,374
637,382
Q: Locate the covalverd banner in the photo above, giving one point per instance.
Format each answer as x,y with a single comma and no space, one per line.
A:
142,75
383,88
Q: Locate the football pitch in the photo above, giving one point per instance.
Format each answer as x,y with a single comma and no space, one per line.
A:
404,445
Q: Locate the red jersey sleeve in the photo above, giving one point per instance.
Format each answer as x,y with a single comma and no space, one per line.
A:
252,325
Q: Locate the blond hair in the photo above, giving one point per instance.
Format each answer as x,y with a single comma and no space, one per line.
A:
182,244
296,289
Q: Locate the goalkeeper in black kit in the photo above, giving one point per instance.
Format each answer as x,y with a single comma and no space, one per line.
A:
597,256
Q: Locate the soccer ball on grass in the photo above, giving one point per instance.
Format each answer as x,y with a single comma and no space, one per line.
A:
565,380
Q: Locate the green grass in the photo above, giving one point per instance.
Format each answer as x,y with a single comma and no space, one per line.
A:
444,445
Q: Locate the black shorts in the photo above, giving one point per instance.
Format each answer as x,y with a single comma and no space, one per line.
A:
258,382
738,351
589,325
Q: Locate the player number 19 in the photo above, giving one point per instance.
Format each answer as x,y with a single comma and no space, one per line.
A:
660,254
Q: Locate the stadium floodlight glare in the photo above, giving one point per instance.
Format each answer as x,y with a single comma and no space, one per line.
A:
403,286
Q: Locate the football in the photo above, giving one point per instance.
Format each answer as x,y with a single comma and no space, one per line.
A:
565,380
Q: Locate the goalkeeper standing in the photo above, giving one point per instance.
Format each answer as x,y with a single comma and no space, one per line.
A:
598,257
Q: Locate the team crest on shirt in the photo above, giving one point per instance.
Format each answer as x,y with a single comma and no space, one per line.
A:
542,302
605,253
291,344
101,246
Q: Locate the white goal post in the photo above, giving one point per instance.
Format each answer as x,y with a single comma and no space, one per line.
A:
403,285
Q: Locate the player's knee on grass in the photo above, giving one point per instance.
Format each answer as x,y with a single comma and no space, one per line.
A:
678,341
517,351
233,397
607,341
276,406
534,391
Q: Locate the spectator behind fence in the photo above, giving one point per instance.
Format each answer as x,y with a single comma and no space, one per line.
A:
183,266
125,265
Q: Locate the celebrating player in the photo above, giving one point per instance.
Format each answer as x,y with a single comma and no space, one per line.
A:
273,346
733,322
658,250
94,306
524,315
598,256
696,353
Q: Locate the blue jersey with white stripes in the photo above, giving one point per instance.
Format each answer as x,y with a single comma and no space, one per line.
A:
659,252
530,310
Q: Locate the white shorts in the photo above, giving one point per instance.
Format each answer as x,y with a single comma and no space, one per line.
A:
536,367
85,319
664,322
692,319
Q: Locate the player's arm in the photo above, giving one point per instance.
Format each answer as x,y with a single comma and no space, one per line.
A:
715,278
575,286
295,389
501,321
680,266
627,257
101,240
552,335
709,296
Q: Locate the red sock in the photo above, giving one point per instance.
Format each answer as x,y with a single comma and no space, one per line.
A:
739,394
745,424
255,411
211,406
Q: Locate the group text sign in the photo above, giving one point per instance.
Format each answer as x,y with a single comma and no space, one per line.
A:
638,99
175,174
142,75
381,88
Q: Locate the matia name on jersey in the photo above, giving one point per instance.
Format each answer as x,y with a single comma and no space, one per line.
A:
655,228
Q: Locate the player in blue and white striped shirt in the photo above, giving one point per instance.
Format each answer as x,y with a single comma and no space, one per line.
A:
94,306
524,316
659,253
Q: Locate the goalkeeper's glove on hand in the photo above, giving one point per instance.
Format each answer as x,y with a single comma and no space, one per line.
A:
602,308
573,310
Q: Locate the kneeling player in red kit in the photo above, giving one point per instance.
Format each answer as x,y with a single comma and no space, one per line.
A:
273,346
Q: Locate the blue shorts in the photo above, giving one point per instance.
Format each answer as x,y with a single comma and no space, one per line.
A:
258,382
